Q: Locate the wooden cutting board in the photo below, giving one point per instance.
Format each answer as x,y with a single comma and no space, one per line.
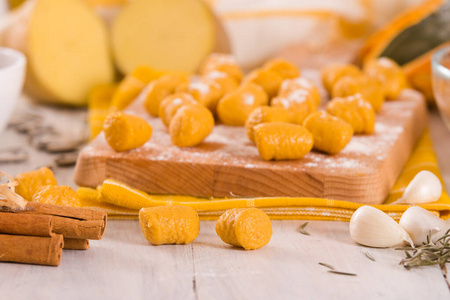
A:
227,162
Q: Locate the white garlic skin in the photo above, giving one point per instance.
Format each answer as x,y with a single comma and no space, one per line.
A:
371,227
419,222
424,188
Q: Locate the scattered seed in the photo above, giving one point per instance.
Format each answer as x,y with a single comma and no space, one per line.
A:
367,254
342,273
302,229
326,265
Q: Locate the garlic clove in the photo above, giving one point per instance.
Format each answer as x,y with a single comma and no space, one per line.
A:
447,227
419,222
371,227
424,188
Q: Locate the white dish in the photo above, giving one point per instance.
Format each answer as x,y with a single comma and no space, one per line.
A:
12,75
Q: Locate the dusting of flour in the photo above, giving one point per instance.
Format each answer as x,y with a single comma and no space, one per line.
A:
229,146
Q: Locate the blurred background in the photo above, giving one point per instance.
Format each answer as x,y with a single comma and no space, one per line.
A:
73,47
253,31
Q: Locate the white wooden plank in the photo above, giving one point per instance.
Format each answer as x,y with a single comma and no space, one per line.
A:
123,265
288,268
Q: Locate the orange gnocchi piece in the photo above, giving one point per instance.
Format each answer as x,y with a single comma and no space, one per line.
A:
225,81
170,224
291,85
249,228
355,111
330,133
131,86
268,80
206,93
332,73
282,141
266,114
170,105
368,87
29,182
299,102
158,89
223,63
125,132
190,125
282,67
235,107
389,73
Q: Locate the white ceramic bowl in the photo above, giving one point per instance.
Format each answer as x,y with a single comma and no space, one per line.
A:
12,75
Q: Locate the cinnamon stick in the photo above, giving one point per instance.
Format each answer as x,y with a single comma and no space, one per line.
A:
79,229
31,249
22,224
64,211
76,244
72,222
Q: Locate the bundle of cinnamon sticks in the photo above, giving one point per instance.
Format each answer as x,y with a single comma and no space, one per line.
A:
38,233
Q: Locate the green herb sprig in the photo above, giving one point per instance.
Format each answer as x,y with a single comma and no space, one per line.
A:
428,254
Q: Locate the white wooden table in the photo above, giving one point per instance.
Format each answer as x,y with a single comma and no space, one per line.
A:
123,265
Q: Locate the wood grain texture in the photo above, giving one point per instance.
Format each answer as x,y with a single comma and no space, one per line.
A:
228,162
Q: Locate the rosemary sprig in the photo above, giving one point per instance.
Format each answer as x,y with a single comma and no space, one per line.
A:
302,229
428,254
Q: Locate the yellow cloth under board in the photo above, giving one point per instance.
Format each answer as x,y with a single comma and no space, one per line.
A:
122,201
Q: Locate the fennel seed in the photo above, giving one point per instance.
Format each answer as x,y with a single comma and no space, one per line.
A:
342,273
302,229
327,266
367,254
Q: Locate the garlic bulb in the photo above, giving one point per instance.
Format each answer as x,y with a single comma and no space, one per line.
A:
370,226
424,188
419,222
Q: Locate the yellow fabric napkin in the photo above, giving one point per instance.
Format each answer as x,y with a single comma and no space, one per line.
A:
122,201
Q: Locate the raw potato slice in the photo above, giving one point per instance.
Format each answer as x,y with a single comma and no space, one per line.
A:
168,35
67,49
